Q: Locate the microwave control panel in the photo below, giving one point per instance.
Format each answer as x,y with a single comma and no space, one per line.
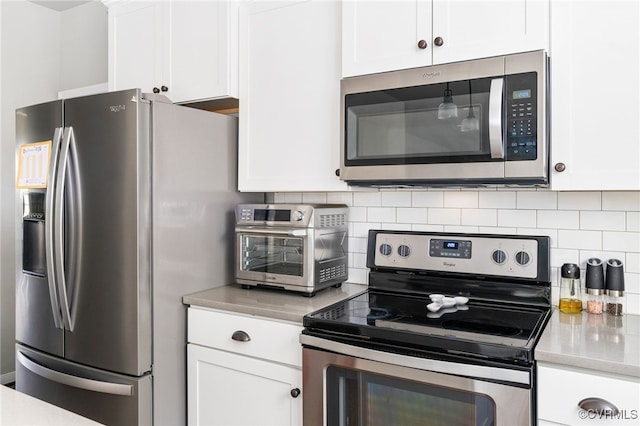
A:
522,122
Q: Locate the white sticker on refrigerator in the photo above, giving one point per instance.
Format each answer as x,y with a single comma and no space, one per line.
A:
33,165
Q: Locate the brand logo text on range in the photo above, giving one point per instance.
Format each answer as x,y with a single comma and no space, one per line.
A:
451,265
431,74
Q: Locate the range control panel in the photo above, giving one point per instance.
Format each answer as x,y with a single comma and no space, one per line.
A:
484,255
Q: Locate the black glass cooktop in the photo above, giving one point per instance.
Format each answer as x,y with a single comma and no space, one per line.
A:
480,328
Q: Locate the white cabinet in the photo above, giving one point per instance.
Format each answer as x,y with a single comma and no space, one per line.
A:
289,136
235,381
562,388
186,49
382,36
595,102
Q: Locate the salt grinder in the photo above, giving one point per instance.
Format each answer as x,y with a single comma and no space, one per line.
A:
594,285
615,287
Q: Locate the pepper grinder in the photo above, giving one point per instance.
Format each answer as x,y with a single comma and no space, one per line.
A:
594,285
570,295
615,287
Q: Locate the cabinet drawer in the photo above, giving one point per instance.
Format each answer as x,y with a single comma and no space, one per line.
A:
561,388
269,339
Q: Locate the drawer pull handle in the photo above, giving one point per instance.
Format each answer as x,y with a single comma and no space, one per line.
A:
598,405
295,392
240,336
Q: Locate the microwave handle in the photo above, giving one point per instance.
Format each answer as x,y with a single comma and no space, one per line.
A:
272,231
496,144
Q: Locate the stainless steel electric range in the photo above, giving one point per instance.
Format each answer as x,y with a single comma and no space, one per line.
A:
445,333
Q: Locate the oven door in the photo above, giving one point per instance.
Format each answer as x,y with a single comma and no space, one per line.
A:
479,121
362,387
273,257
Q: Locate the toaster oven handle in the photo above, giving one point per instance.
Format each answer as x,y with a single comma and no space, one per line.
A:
496,143
272,231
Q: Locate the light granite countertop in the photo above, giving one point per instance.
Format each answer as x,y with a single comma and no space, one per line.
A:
17,408
604,343
276,304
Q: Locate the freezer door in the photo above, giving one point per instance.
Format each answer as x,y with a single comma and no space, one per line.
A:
107,259
111,399
36,297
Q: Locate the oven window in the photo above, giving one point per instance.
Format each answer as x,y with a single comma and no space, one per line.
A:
358,398
274,255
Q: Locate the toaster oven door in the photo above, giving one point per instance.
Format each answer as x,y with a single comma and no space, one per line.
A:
273,257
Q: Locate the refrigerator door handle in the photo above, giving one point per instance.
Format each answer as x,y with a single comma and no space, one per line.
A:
49,238
58,228
74,381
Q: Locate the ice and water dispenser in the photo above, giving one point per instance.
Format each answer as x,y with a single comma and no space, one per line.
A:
33,234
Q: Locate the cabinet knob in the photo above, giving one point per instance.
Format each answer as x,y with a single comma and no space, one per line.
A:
337,172
164,89
422,44
240,336
156,90
560,167
295,392
438,41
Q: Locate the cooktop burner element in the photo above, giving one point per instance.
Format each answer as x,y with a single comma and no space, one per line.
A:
503,280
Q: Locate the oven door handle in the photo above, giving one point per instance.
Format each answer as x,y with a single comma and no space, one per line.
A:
496,143
272,231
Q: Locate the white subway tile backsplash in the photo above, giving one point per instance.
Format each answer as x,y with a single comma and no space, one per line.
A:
427,199
412,215
580,224
479,217
579,201
517,218
633,221
621,200
540,200
603,221
581,240
381,214
444,216
621,241
461,199
314,198
558,219
497,200
396,199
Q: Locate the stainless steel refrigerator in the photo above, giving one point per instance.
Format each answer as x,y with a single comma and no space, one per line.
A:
137,211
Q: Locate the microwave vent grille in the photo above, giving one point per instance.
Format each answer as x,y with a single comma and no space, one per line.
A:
333,220
333,272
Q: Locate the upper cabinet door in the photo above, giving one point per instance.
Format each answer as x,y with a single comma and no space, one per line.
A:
137,39
595,102
470,29
380,36
187,50
289,131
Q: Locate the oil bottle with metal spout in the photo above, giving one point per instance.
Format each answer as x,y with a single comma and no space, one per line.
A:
570,292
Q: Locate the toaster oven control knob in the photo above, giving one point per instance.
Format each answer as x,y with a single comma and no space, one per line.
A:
404,250
385,249
522,258
499,256
298,215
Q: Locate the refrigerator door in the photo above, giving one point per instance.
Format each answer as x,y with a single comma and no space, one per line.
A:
107,232
37,310
108,398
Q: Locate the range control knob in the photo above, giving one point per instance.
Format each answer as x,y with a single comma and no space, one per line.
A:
499,256
385,249
522,258
404,250
298,215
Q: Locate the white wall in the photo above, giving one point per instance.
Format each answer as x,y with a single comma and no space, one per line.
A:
580,224
35,68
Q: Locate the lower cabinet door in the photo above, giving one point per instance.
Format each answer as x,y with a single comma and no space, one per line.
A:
228,389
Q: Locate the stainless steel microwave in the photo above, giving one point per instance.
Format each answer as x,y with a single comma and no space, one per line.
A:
473,123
